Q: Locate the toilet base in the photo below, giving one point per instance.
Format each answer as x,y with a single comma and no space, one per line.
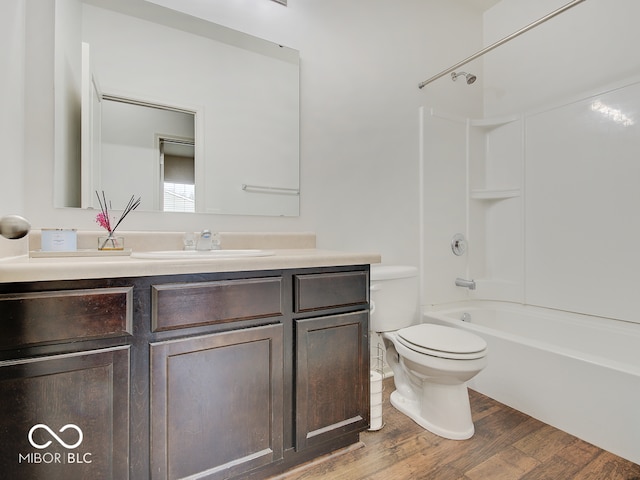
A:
412,409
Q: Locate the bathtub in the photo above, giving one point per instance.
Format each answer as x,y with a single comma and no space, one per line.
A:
578,373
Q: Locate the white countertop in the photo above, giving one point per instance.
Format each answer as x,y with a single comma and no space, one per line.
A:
26,269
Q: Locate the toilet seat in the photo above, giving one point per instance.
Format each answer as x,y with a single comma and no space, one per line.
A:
443,342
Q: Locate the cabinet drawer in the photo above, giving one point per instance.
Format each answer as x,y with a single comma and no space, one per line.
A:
178,305
330,290
64,315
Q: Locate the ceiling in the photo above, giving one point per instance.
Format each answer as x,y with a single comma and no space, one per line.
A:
482,5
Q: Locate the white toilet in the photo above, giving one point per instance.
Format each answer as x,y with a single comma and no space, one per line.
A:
431,363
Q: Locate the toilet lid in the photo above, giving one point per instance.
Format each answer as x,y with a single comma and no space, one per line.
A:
441,341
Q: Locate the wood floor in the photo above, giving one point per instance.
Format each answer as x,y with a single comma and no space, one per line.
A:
507,445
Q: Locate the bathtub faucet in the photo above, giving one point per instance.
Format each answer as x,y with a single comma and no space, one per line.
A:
470,284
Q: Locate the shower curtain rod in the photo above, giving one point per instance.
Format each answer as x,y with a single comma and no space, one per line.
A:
502,41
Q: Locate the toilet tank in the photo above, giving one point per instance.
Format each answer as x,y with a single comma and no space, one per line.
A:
394,297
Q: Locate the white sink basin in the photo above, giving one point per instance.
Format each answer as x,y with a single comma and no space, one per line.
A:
200,255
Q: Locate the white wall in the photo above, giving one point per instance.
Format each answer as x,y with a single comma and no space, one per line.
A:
588,46
11,114
361,62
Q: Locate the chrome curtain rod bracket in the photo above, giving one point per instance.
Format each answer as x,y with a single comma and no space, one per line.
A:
502,41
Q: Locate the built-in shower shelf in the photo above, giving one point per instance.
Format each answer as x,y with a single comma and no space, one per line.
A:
489,123
494,193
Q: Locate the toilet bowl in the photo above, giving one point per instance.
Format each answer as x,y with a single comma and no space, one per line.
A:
431,363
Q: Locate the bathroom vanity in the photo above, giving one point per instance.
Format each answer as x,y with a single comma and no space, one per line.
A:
217,369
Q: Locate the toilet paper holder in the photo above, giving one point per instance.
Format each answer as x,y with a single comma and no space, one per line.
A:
376,378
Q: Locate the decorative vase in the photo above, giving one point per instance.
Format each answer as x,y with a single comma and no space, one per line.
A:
110,242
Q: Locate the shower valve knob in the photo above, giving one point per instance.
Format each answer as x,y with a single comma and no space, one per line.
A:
458,244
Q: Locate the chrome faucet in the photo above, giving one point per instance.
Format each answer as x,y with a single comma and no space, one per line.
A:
470,284
205,241
208,241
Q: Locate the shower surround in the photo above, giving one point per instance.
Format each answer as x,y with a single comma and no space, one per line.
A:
543,185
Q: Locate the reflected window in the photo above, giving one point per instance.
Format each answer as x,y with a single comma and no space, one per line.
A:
179,197
177,164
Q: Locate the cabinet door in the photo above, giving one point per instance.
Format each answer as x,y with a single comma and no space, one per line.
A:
216,403
66,416
332,377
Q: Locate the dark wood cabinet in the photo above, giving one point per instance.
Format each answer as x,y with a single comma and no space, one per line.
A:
66,416
215,375
332,384
216,403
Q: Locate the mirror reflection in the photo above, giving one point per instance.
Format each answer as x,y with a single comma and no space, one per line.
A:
155,146
187,114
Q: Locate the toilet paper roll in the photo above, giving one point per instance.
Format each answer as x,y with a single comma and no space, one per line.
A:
375,422
376,382
376,401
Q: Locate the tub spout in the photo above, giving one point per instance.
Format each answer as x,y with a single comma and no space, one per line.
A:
470,284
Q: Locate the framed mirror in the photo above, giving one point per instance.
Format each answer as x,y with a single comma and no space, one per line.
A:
238,93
